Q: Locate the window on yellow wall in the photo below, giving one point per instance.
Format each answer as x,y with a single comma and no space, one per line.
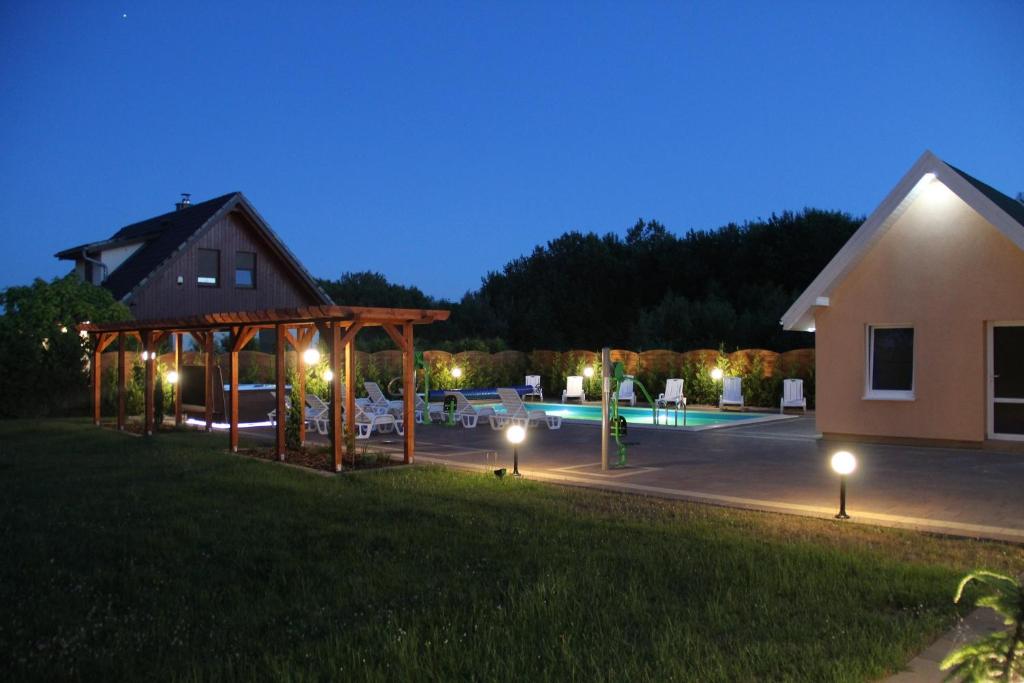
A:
890,362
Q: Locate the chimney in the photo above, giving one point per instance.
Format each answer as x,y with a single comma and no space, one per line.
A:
186,201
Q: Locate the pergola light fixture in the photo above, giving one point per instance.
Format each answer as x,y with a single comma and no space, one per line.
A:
311,356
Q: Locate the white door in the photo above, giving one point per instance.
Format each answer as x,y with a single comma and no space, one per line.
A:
1006,381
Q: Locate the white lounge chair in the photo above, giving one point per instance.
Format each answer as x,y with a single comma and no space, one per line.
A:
732,392
379,400
315,413
793,395
383,423
673,394
433,410
574,388
626,392
518,412
466,412
533,381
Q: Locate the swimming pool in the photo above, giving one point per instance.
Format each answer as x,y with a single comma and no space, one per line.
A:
694,419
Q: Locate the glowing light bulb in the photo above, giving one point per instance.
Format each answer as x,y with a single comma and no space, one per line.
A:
843,462
515,434
456,372
311,356
717,374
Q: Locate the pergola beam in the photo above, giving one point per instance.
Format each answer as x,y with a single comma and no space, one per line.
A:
339,326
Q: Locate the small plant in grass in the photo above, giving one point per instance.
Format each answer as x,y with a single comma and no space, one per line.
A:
293,419
999,656
158,401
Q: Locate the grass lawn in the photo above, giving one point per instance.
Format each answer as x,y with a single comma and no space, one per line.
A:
128,558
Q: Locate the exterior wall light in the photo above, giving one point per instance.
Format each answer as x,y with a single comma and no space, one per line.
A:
515,435
588,371
311,356
456,372
717,374
843,463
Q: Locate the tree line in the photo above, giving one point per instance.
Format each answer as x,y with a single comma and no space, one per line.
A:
648,289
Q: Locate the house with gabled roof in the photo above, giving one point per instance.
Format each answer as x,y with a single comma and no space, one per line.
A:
212,256
919,318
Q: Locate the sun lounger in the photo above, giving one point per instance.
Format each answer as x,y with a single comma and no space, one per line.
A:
517,412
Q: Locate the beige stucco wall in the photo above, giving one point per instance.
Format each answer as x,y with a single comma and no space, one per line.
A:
945,270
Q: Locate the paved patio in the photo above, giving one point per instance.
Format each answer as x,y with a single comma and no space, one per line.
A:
776,466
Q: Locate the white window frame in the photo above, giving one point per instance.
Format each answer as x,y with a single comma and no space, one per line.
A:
871,394
990,393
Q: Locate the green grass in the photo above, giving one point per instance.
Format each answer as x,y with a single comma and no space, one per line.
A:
128,558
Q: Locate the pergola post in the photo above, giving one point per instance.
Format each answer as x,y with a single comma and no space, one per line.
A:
350,376
279,368
233,417
409,392
208,389
150,367
178,337
335,411
122,381
97,380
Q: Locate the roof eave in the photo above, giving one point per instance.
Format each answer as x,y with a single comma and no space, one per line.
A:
800,315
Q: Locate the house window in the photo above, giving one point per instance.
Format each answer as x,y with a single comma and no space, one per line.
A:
890,362
209,267
245,269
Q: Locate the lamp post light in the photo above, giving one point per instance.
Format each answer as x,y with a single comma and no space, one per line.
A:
588,371
717,374
456,372
515,435
311,356
843,463
328,375
172,377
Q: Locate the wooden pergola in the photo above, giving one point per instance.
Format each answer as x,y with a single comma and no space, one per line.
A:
338,325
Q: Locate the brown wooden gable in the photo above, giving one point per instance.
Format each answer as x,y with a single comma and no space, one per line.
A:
281,282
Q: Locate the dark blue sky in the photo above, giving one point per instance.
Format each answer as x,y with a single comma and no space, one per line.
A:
434,142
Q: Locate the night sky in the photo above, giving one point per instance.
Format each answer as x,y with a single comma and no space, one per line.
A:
434,142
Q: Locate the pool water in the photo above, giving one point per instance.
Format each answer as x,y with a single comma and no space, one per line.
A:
641,416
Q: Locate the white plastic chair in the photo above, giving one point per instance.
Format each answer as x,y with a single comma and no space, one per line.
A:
574,389
533,381
378,400
384,423
466,412
793,395
673,394
517,412
732,392
626,392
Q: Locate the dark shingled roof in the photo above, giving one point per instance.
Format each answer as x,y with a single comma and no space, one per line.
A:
1012,207
168,232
